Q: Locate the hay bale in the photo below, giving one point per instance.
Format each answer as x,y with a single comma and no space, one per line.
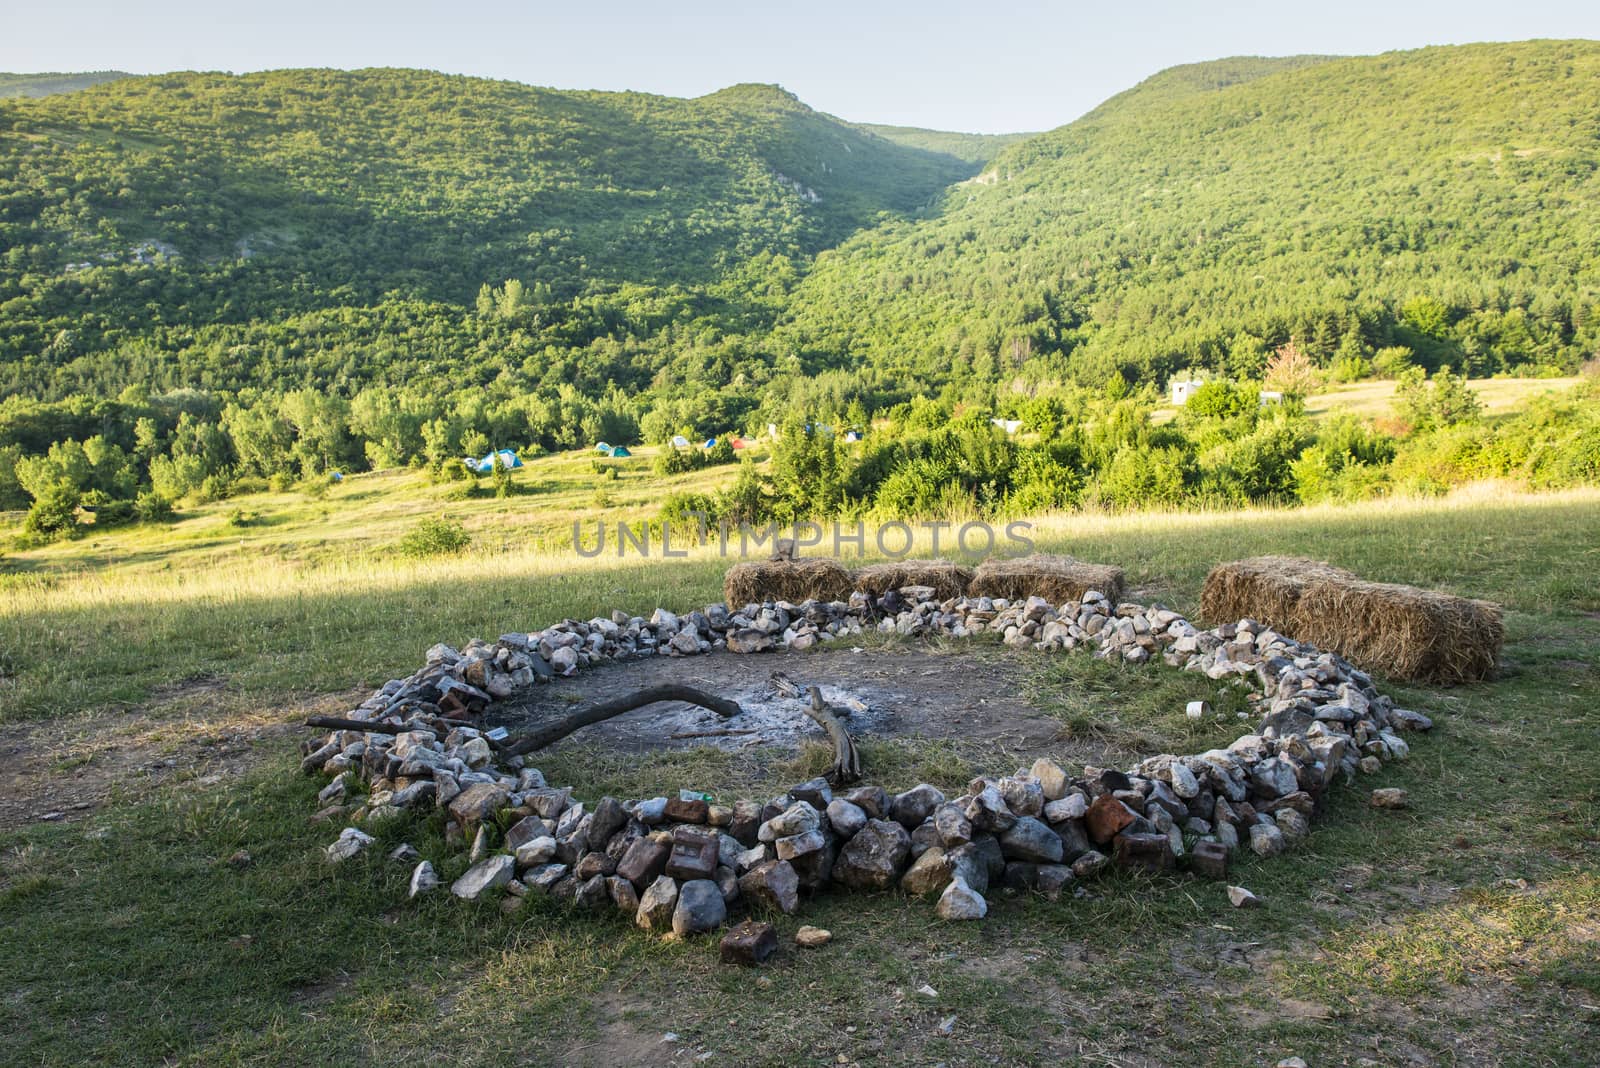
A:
785,580
1399,631
1403,632
1264,588
1057,579
947,579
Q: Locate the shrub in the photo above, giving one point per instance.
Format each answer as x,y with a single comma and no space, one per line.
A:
151,507
434,537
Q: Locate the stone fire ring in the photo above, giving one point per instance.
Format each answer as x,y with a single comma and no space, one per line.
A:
686,864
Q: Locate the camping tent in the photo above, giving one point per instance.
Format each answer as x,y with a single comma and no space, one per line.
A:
603,447
680,442
711,443
851,435
620,452
739,443
484,464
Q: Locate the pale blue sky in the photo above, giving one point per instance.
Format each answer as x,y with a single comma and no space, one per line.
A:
974,66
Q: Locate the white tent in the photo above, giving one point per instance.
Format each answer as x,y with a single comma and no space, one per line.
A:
680,442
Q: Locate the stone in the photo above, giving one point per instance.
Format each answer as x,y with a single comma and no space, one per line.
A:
812,937
658,903
351,842
423,879
749,943
692,811
608,818
772,883
929,873
1106,818
987,811
1074,839
969,862
814,792
1390,797
1209,860
651,812
846,818
524,831
1020,877
952,825
1052,879
1274,777
1023,797
875,857
644,862
1031,840
592,893
910,808
623,895
694,855
486,874
727,884
1266,839
1292,823
594,863
798,845
815,869
1241,898
746,822
535,852
544,877
1090,864
798,818
548,803
870,799
1151,852
700,908
1052,778
960,902
684,643
1071,807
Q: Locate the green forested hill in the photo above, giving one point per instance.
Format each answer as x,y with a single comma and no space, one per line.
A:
186,201
1445,200
969,147
52,82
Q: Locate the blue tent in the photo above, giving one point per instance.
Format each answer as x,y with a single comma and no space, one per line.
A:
711,443
485,464
621,452
603,447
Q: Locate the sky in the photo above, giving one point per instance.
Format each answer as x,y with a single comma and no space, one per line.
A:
980,67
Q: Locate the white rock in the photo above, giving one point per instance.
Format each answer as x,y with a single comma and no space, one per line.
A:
495,871
423,879
351,841
961,902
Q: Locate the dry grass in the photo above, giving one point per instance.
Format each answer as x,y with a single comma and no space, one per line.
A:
1057,579
1401,631
947,579
785,580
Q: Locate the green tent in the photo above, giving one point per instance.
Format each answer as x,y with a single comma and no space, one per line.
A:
620,452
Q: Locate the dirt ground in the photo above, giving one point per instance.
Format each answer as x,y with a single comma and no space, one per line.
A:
973,697
195,733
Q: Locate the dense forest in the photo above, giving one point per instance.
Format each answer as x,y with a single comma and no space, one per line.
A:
208,279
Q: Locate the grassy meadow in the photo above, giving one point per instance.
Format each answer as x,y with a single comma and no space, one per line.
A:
1460,931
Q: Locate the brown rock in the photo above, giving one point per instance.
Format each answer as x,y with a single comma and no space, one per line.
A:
1149,851
477,802
1209,860
812,937
681,811
750,942
1106,819
643,862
